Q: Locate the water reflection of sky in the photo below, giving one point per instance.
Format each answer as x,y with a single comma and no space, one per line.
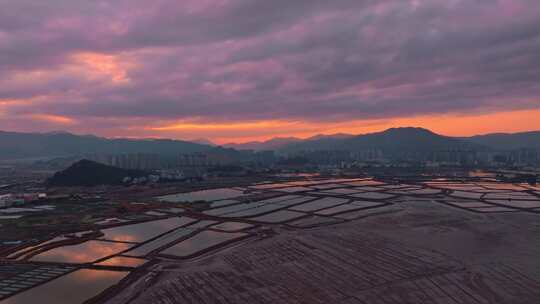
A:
122,261
73,288
86,252
144,231
232,226
200,242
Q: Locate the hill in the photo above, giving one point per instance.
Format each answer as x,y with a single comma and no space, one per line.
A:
272,144
281,142
14,145
504,141
89,173
392,142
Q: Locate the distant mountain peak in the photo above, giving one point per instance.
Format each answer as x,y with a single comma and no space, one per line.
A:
17,145
330,136
271,144
203,141
58,132
405,130
391,141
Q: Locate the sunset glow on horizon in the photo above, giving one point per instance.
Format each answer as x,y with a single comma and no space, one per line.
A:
449,125
195,70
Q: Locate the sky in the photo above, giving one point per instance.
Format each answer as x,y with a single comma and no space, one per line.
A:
241,70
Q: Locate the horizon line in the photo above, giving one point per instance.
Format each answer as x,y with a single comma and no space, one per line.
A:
300,138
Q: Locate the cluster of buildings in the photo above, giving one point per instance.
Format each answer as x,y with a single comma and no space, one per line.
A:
11,200
448,158
149,161
186,165
161,175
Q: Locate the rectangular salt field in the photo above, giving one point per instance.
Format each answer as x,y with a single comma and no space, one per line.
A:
470,204
343,180
369,188
230,209
517,203
268,186
465,194
223,203
463,188
155,213
73,288
203,195
87,252
365,183
295,201
399,186
201,241
278,216
279,199
302,183
494,209
373,195
29,249
366,204
172,210
326,186
427,191
315,220
358,213
255,211
17,210
144,231
295,189
499,186
201,224
341,191
511,196
338,209
162,241
319,204
232,226
122,261
10,217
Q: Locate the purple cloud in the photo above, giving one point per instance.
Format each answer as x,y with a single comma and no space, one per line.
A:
234,60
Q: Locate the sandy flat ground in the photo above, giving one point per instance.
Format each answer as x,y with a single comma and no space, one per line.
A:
423,252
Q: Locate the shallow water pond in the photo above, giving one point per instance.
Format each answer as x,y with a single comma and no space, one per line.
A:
122,261
73,288
201,241
86,252
144,231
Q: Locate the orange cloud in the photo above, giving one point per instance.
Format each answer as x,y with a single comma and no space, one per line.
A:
56,119
109,65
448,124
222,126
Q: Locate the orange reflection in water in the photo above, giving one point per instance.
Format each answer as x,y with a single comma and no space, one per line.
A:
92,276
122,261
75,287
82,253
124,238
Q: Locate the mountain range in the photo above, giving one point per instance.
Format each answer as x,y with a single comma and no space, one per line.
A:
399,139
14,145
505,141
280,142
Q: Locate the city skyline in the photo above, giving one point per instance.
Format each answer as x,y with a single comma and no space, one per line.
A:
195,69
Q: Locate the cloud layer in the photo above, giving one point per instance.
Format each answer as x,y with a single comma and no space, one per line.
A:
143,67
